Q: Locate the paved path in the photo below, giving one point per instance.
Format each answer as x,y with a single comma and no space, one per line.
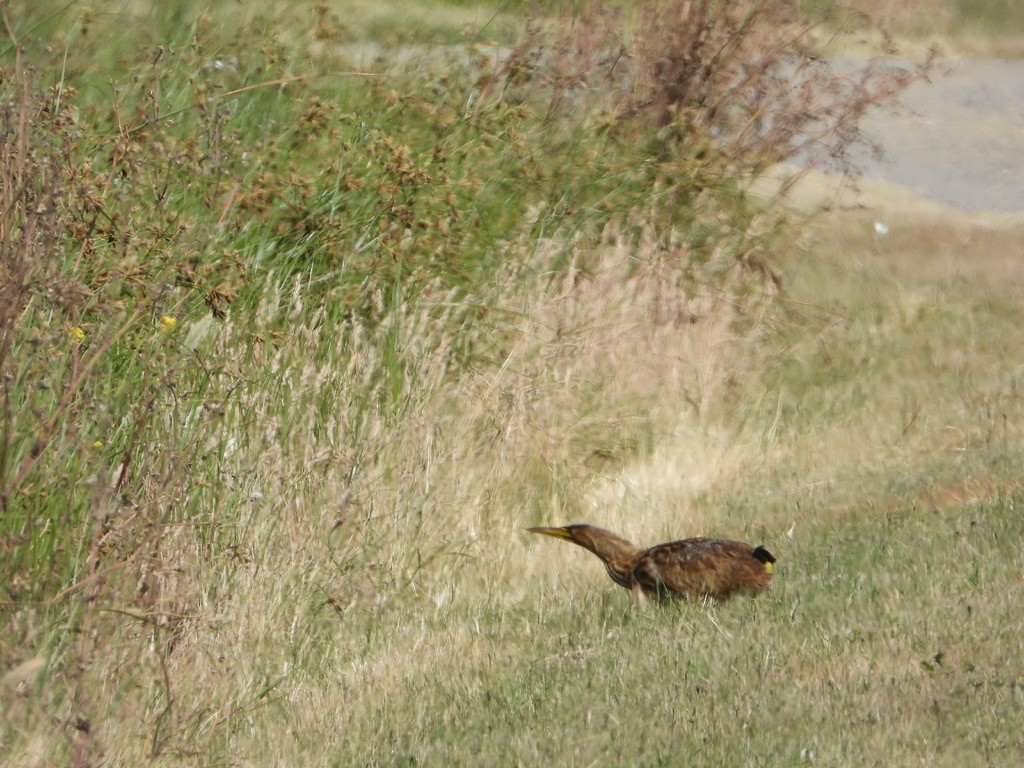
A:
958,140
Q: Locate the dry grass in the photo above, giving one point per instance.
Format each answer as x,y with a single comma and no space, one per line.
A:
426,614
427,533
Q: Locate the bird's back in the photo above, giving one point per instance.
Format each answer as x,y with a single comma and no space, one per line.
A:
691,568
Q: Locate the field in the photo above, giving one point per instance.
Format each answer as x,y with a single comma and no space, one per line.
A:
307,312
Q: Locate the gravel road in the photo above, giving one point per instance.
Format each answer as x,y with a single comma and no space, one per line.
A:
958,140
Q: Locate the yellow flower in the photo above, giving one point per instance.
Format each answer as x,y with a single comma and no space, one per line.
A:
76,333
97,444
168,324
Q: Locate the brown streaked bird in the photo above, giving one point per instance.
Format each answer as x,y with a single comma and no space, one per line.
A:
690,568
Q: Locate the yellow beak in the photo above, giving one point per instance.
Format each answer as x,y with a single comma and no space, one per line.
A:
558,533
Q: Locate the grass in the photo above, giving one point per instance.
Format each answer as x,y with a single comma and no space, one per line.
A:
995,17
959,28
900,586
286,375
759,684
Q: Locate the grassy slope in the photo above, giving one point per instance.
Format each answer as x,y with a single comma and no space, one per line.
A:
883,468
891,635
889,485
870,439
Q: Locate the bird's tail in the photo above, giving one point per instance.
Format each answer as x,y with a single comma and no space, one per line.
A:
763,555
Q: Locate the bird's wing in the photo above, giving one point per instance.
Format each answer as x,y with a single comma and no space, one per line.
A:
690,567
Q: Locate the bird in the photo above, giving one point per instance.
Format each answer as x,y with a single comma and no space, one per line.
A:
688,569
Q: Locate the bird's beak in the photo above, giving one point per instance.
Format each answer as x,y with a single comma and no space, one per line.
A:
558,533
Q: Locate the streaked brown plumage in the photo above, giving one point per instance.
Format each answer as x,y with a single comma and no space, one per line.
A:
690,568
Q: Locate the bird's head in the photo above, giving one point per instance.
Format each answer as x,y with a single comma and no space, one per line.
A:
565,532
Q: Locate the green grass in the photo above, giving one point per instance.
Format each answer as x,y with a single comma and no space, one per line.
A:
993,16
289,529
956,18
867,622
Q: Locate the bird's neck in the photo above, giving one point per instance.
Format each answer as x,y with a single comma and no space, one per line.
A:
609,547
619,556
